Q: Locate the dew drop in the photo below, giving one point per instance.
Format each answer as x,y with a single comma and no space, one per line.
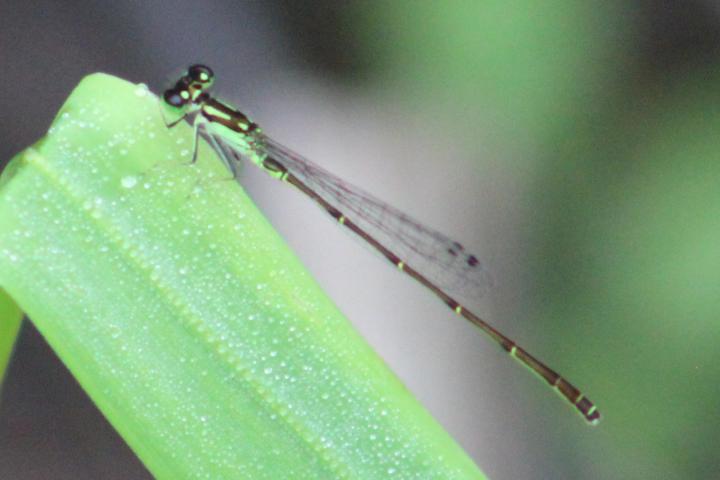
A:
141,90
129,181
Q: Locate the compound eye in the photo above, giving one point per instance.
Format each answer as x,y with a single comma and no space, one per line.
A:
176,98
201,74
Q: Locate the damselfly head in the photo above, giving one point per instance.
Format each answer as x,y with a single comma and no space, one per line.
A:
189,87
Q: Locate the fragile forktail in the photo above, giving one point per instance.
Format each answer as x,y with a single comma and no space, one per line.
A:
436,261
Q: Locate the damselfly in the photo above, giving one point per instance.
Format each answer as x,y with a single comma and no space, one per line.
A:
434,260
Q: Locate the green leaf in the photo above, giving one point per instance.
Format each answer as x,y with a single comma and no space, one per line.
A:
10,320
186,318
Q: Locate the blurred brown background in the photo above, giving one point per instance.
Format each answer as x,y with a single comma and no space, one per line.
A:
573,145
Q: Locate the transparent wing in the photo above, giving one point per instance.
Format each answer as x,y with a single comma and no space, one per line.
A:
440,259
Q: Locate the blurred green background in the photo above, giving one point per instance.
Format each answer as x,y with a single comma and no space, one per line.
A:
573,145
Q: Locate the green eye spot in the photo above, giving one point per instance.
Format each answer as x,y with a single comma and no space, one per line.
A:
185,94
